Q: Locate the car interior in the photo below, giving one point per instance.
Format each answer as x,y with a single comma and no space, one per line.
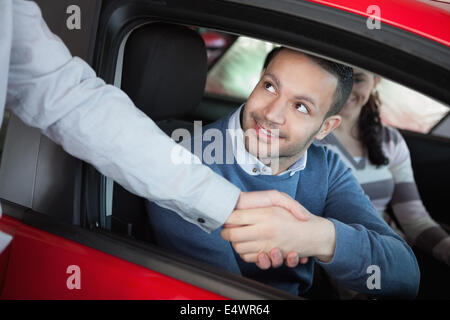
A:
164,72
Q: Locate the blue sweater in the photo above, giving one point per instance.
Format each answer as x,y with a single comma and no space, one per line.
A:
327,188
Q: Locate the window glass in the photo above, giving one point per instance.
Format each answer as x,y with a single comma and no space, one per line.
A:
442,129
238,70
407,109
216,44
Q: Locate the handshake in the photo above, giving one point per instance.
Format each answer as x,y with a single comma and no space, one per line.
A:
269,228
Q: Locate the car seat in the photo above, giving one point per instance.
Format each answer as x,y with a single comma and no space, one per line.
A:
164,73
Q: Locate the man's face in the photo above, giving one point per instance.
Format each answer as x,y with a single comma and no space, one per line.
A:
287,106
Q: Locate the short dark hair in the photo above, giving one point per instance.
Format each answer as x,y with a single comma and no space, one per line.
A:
344,75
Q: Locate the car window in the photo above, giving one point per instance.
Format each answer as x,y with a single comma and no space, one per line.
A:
236,73
234,67
442,128
238,70
407,109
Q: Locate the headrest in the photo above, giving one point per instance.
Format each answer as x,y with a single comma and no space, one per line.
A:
164,69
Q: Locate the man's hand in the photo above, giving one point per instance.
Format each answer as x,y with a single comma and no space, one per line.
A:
261,230
270,198
261,199
276,259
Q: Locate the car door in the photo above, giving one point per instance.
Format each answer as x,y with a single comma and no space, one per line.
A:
43,265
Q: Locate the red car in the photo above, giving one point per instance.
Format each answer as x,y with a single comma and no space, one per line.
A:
79,235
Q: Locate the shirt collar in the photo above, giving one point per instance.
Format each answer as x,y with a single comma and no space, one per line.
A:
248,162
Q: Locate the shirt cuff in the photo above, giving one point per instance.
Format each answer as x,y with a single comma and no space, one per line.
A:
216,205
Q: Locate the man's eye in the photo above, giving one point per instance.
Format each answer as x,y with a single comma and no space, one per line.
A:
301,107
269,87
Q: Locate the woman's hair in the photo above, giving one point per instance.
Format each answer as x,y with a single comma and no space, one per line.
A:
370,127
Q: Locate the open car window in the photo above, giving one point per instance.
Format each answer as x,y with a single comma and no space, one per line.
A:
407,109
234,68
236,73
238,70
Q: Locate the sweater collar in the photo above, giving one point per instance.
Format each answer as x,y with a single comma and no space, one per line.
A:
248,162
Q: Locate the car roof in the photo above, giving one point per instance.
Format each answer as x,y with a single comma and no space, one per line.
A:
427,18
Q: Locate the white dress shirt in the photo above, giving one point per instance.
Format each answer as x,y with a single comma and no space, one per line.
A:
248,162
49,89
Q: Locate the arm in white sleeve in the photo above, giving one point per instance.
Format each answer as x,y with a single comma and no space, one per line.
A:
98,123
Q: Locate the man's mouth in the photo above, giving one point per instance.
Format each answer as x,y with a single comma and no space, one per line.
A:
266,134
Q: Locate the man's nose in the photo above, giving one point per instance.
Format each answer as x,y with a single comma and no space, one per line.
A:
275,112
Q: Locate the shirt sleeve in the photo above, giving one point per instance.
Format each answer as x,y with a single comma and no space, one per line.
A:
366,247
420,229
98,123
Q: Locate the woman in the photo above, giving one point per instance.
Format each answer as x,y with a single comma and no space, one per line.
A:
380,160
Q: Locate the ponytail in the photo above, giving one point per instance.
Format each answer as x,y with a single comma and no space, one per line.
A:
370,127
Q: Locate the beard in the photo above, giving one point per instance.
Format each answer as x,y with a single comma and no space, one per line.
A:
297,148
271,153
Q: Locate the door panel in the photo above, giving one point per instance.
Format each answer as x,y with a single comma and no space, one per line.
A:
430,158
38,269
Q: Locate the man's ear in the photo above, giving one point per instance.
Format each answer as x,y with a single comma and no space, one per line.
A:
328,125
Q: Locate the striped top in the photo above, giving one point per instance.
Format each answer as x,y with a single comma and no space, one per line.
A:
394,183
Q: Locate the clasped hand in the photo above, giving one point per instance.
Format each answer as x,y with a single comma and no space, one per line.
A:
279,230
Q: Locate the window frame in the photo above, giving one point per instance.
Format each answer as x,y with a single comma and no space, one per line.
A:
119,17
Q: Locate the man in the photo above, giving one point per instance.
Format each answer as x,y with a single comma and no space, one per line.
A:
296,101
47,88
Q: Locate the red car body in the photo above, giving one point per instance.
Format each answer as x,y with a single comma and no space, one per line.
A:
424,18
35,264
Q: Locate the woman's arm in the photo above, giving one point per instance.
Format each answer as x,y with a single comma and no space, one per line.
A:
419,227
